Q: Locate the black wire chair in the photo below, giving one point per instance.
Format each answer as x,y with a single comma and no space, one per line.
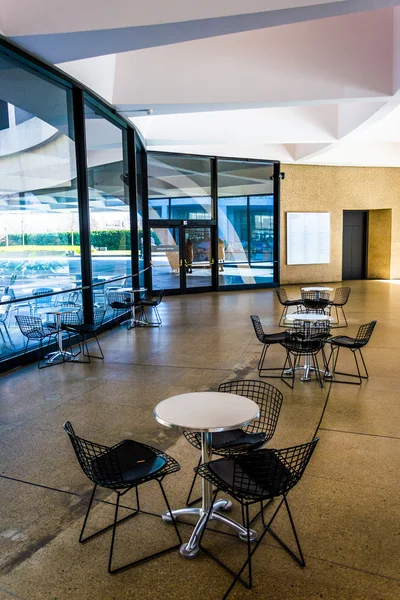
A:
255,435
73,323
267,339
121,302
354,344
304,340
256,478
286,303
152,300
39,302
4,310
315,301
33,329
339,301
121,468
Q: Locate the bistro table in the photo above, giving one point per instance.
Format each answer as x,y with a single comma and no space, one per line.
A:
309,318
206,412
58,312
132,292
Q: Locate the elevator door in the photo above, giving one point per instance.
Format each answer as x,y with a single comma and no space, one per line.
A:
354,244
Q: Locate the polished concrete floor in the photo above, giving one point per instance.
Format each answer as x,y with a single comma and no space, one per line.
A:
346,507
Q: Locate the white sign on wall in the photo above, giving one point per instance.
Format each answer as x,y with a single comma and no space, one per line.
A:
308,238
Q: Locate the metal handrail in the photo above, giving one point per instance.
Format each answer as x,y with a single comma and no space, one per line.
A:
67,291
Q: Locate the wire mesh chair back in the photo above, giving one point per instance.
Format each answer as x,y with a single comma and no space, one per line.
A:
72,318
98,318
364,334
315,300
271,473
39,302
258,328
155,296
268,398
282,295
30,327
4,308
99,463
341,296
306,338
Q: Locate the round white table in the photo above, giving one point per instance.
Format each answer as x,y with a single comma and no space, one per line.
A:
206,412
58,311
307,318
132,291
318,289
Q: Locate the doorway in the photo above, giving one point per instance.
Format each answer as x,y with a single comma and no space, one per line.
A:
355,236
181,258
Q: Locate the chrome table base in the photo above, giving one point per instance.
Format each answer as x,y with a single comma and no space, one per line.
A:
192,547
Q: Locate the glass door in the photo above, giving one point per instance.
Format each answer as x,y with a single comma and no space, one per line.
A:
181,258
197,258
165,258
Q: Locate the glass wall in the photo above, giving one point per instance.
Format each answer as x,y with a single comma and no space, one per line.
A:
245,223
141,159
39,224
179,187
108,204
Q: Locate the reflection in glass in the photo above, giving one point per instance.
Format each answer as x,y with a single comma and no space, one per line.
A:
179,187
39,227
245,223
165,258
109,204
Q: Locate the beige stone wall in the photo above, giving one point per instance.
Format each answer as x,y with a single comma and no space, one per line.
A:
379,243
334,189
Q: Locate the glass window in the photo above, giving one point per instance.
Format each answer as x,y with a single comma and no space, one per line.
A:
179,187
109,204
245,223
39,226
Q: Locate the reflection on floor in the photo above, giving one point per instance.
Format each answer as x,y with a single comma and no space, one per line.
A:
346,507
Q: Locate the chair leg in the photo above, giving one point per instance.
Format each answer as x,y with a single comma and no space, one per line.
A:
365,366
151,556
300,560
317,371
261,367
188,502
283,315
356,375
288,366
344,316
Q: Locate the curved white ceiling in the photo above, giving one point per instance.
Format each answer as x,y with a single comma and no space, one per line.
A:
308,81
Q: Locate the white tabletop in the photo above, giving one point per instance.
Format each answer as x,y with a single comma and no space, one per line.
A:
132,290
312,317
316,288
206,411
60,310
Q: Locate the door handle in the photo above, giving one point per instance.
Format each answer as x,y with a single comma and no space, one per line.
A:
212,261
181,263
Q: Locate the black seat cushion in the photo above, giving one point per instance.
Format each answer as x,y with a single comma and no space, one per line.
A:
149,302
235,439
343,340
293,302
135,462
120,305
266,476
274,338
